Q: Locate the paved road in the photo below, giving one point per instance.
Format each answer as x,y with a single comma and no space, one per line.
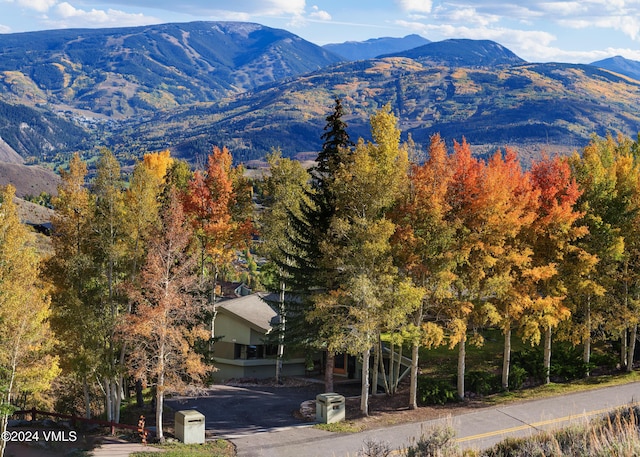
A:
240,411
477,430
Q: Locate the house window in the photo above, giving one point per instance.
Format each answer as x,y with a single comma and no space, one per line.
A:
254,351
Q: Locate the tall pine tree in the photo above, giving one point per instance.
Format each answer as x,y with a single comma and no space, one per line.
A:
305,268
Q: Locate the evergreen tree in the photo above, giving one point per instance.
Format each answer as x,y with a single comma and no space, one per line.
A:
368,295
286,190
305,268
335,138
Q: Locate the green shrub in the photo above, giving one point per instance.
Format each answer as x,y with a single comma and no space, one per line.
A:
604,360
482,382
435,391
567,363
531,360
517,377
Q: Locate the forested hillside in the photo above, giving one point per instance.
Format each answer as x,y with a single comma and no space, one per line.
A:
123,72
38,134
184,87
533,107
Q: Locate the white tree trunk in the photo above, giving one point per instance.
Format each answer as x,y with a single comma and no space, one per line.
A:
632,347
160,395
623,348
107,396
364,398
506,357
116,392
392,367
586,356
159,409
397,375
547,355
413,388
4,419
377,364
6,399
461,367
280,335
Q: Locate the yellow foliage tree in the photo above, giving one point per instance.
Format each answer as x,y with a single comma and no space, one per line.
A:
26,363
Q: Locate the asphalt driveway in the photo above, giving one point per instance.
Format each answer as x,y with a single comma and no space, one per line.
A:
238,411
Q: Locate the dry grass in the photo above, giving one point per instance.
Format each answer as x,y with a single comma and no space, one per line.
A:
615,435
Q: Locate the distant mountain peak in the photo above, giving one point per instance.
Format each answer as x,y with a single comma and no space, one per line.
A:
621,65
462,52
122,72
373,47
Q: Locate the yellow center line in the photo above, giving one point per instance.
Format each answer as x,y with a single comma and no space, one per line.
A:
535,425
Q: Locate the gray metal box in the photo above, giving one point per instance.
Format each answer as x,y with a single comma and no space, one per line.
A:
189,426
330,408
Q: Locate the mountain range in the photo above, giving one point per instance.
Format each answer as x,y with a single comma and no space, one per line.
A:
620,65
190,86
363,50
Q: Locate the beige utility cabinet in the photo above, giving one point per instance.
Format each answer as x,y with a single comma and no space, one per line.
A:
330,408
189,426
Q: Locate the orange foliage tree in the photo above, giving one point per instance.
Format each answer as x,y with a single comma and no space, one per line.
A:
162,330
472,261
557,257
506,209
215,203
422,243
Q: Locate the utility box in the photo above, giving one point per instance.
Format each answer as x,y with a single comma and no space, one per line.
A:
330,408
189,426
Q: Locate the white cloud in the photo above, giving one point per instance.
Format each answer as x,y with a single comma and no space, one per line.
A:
5,29
471,16
416,6
319,14
224,9
552,54
628,25
41,6
529,28
66,15
563,8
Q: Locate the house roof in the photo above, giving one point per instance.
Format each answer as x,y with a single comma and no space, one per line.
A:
252,309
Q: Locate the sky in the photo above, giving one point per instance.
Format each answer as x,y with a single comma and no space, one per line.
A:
579,31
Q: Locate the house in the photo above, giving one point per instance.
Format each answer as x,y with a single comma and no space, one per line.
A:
246,346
